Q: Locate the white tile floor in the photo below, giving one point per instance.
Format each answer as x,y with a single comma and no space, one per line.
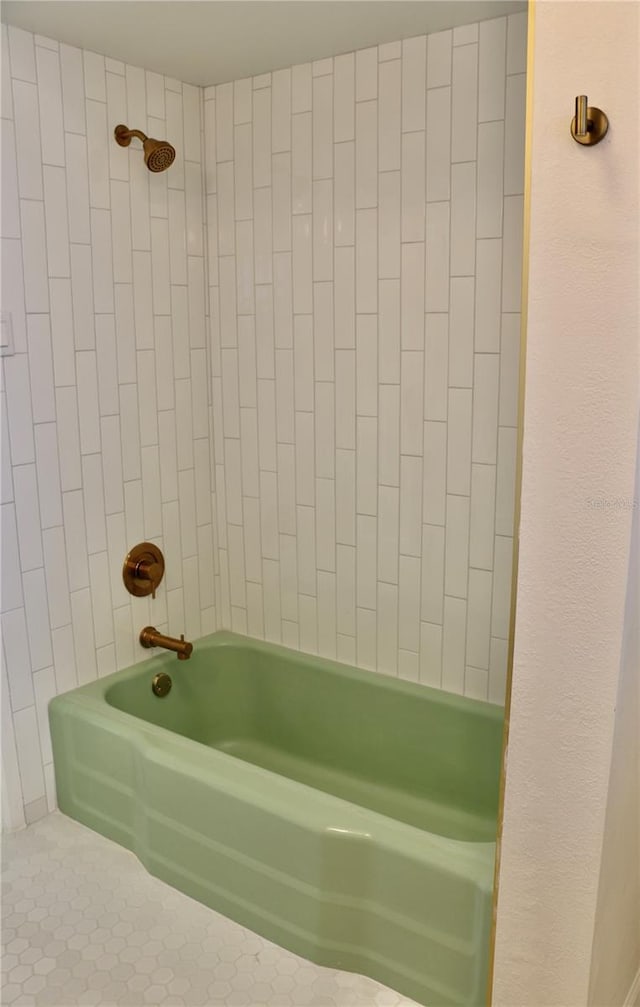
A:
84,924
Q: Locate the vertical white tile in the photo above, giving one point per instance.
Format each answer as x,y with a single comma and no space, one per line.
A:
28,150
439,59
98,154
388,533
34,256
502,576
430,666
94,81
366,562
242,172
459,441
282,300
83,636
367,464
512,254
12,282
68,438
325,525
191,116
366,639
322,223
325,430
509,370
323,127
438,143
301,93
414,68
485,408
505,484
344,297
412,406
409,604
11,581
286,489
389,50
130,432
306,539
281,110
224,122
45,689
498,658
75,540
193,202
345,497
410,505
112,464
242,100
101,599
436,366
389,116
465,34
491,69
413,186
433,546
435,473
488,291
389,223
437,257
367,365
281,202
456,547
25,486
41,369
308,625
6,479
517,43
305,459
326,613
20,414
18,662
453,644
343,97
366,154
89,419
463,215
412,296
490,179
301,162
482,516
262,138
366,261
302,265
366,74
514,134
102,259
479,618
50,102
48,475
464,103
77,176
389,436
72,75
10,204
262,232
346,589
387,626
82,296
55,565
7,103
461,332
389,331
228,316
21,51
29,755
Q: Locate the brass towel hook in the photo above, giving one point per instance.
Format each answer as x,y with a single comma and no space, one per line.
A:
589,125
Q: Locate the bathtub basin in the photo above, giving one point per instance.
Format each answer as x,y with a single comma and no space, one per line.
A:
345,815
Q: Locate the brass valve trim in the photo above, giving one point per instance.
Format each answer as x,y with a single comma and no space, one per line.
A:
143,569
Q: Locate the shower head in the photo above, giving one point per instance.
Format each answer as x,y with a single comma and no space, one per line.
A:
158,154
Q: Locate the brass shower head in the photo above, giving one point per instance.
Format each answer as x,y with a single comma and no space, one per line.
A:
158,154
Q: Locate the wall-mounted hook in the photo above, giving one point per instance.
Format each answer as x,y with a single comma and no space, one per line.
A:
589,125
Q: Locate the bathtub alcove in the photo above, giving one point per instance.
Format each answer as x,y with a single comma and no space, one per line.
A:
347,815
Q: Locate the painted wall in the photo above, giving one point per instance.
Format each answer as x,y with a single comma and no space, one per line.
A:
615,958
582,402
105,417
364,218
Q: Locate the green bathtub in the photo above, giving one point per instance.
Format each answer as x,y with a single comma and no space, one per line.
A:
345,815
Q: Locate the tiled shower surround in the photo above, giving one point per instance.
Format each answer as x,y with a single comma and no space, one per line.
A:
365,231
328,460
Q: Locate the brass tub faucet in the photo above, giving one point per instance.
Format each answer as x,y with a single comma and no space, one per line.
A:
150,637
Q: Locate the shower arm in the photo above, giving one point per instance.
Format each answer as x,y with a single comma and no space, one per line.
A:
127,134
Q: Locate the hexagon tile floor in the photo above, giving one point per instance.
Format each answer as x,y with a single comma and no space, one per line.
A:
84,924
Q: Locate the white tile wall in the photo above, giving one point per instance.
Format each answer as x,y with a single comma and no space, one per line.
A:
106,437
291,361
376,242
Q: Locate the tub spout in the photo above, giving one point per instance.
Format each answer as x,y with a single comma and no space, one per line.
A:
150,637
